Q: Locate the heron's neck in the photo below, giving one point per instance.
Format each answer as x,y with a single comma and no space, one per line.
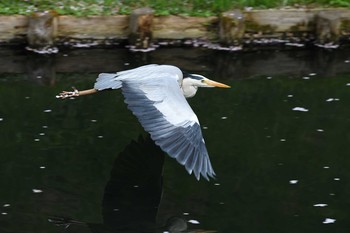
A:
188,89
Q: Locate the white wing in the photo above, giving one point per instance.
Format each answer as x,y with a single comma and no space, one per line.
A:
156,99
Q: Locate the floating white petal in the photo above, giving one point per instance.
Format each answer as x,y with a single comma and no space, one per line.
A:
293,181
321,205
301,109
332,99
329,220
193,221
37,190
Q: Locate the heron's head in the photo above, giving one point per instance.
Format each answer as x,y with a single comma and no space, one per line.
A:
191,82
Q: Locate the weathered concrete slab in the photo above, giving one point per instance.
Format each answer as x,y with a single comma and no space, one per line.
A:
12,27
183,27
344,17
232,27
93,27
327,27
141,28
278,20
42,29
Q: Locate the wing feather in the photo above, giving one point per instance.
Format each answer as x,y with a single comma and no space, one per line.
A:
107,81
182,158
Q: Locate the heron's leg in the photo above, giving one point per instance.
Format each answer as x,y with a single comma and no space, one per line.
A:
75,93
87,92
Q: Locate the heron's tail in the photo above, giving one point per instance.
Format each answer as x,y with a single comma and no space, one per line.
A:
107,81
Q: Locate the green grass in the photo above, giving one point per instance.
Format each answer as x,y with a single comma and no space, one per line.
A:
161,7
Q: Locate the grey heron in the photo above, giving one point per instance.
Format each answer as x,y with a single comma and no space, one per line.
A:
156,95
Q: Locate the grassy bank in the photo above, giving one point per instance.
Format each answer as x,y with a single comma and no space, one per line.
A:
161,7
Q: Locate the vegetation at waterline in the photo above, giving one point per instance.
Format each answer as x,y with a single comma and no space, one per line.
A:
161,7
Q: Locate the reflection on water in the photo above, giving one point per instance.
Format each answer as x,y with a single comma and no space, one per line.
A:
133,192
278,141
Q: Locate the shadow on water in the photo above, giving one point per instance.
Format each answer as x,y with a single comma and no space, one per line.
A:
133,192
132,195
278,141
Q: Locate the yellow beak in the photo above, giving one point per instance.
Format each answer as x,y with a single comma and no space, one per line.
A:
215,84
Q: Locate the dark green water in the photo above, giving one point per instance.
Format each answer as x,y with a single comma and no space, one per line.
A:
89,161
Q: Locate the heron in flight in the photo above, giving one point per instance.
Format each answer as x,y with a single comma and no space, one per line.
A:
156,95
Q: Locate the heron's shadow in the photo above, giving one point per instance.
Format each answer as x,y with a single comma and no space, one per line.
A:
133,193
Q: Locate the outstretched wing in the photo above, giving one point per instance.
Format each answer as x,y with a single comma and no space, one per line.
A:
157,101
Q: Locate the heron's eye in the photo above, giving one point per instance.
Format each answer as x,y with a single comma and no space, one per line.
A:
202,81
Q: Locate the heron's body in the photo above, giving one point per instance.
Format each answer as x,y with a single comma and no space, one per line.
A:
156,96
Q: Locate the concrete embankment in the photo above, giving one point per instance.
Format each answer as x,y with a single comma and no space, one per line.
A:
233,28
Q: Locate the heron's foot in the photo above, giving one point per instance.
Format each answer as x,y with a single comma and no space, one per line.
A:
67,94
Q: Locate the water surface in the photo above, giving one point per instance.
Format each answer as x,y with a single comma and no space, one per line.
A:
278,141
